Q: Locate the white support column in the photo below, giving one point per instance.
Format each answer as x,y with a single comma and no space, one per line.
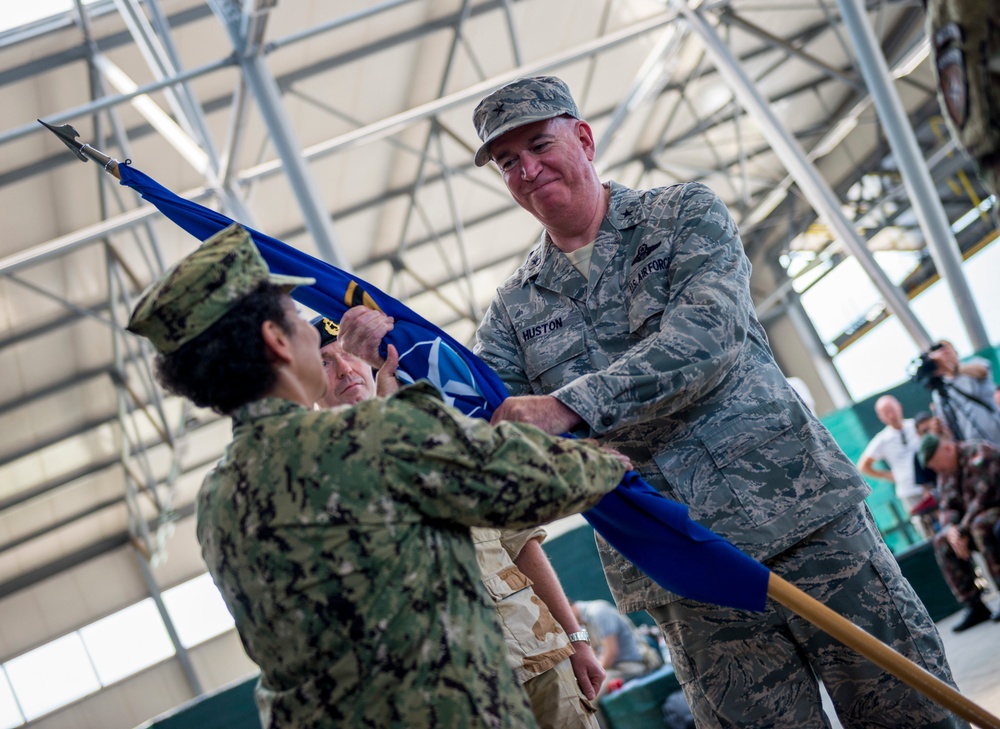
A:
926,204
816,189
242,31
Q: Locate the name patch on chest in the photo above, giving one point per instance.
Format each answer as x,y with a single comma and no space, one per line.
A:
658,264
549,326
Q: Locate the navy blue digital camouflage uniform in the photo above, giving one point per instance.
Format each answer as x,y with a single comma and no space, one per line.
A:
340,542
339,539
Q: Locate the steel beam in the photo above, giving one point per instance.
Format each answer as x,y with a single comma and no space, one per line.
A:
392,124
181,653
816,189
265,90
825,369
926,204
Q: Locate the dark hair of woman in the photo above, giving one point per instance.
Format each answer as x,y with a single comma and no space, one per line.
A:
227,365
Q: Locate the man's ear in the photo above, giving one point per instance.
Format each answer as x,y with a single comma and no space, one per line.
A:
276,341
586,136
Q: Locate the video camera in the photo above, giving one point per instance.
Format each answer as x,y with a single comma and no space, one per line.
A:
923,369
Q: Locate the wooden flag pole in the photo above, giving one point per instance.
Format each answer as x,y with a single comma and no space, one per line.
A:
878,653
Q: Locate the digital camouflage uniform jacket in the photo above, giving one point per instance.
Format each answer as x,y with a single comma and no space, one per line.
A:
663,358
535,640
975,488
339,540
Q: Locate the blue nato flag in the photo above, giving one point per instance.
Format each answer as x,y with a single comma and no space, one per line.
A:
653,532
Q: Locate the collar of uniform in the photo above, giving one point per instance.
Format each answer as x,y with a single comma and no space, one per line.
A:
625,210
263,408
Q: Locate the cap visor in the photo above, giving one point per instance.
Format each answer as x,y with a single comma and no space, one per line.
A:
483,155
290,282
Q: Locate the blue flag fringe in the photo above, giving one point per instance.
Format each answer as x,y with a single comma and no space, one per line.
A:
653,532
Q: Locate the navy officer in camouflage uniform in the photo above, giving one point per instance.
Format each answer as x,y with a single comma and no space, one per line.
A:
546,647
340,538
965,48
632,322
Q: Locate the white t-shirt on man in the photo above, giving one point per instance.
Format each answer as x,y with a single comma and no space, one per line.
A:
897,448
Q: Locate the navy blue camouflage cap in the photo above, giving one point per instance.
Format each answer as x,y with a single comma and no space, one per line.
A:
328,330
202,288
520,102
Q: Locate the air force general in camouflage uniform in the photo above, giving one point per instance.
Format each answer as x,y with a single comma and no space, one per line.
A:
647,340
339,538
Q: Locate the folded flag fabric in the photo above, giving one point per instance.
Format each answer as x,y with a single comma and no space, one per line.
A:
653,532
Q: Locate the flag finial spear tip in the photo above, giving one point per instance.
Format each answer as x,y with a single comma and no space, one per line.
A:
67,134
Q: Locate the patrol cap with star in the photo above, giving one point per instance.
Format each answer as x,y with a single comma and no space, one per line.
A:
520,102
328,330
202,287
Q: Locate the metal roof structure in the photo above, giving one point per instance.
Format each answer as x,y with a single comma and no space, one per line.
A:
344,129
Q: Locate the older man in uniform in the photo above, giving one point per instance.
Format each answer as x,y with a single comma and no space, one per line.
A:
965,46
339,538
545,653
632,322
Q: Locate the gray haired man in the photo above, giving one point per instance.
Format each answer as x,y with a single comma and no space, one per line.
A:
632,322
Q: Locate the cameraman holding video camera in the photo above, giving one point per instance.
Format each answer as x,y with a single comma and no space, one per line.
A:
962,392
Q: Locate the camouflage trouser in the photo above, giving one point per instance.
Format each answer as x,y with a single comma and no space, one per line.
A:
959,573
557,702
746,669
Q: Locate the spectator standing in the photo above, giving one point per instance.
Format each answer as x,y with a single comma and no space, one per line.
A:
896,445
632,322
964,396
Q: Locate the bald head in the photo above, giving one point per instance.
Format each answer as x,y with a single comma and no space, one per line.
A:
889,411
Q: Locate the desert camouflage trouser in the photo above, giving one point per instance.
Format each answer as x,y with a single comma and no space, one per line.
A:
746,669
557,702
959,573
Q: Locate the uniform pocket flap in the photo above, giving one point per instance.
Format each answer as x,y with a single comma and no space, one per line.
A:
747,433
506,582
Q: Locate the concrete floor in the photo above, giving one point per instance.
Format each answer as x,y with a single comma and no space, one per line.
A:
974,655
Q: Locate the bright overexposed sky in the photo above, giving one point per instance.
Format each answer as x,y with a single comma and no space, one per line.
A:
879,359
16,14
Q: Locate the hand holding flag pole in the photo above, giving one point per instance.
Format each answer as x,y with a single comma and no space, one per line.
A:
650,530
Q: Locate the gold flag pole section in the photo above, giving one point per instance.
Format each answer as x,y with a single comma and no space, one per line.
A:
878,653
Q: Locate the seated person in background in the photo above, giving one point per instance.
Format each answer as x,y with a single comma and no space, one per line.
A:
621,650
546,648
969,480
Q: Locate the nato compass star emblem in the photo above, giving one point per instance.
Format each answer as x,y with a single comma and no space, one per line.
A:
435,361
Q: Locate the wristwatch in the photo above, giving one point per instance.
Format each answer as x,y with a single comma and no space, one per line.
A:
580,636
